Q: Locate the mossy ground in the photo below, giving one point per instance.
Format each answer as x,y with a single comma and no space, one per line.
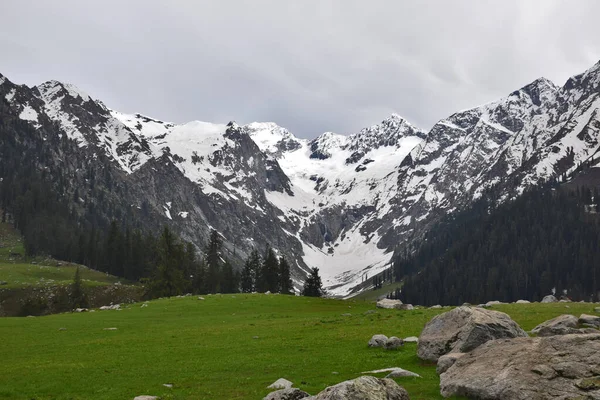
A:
223,347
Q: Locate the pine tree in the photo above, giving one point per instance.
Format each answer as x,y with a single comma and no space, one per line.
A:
313,286
230,280
213,262
78,295
168,277
268,279
285,281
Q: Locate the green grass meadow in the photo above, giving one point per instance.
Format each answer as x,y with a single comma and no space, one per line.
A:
223,347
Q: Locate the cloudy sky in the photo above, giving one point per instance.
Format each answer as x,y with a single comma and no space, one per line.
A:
311,66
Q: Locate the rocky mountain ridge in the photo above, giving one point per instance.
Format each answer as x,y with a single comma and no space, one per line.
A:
340,203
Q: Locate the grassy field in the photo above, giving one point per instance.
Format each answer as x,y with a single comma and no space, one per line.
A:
223,347
17,270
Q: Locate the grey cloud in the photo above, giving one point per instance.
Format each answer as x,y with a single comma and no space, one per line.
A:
311,66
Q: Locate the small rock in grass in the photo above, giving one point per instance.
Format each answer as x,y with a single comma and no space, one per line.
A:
254,337
168,385
411,339
368,312
81,310
280,383
144,305
522,302
549,299
346,315
393,343
62,329
436,306
287,394
200,298
335,373
401,373
378,341
145,397
110,329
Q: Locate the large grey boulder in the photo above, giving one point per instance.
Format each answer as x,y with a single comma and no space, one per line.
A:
549,299
388,303
561,325
363,388
378,341
287,394
555,367
464,329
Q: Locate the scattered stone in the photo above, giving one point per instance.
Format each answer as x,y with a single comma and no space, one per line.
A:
405,307
368,312
268,292
287,394
436,306
280,383
554,367
145,397
492,303
561,325
168,385
254,337
597,309
592,320
378,341
446,361
549,299
388,303
92,310
346,315
111,307
62,329
402,373
200,298
109,329
335,373
144,305
564,301
522,302
3,283
464,329
81,310
411,339
393,343
363,388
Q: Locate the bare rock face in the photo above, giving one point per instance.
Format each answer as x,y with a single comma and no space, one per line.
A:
287,394
388,303
556,367
363,388
561,325
464,329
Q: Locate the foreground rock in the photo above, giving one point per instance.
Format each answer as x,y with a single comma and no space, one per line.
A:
561,325
388,303
395,372
446,361
555,367
280,383
592,320
363,388
286,394
378,341
464,329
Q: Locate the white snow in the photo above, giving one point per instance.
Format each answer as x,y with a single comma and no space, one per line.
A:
183,214
29,114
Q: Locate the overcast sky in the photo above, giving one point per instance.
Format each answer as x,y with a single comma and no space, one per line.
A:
310,66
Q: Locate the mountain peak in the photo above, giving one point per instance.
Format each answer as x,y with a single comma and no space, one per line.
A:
53,89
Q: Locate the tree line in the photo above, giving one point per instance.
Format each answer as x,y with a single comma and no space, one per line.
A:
545,241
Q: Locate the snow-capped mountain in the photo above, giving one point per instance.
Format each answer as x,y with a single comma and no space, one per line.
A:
339,203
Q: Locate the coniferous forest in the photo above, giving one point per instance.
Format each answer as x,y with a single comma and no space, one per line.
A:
546,241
